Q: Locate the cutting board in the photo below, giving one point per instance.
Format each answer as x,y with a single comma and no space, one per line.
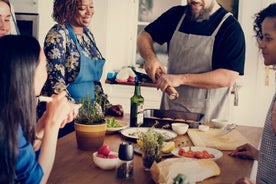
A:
229,141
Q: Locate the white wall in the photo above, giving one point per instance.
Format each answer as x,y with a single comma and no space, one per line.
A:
45,19
255,96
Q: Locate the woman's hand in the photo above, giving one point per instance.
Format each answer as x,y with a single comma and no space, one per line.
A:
244,180
115,110
245,151
71,116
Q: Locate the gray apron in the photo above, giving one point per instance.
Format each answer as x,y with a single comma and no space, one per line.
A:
90,72
190,53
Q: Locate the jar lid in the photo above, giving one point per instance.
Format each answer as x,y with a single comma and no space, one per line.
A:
126,151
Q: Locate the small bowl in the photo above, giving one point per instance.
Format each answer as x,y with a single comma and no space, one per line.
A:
180,128
203,128
106,163
219,123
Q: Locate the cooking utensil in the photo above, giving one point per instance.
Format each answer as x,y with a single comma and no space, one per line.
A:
228,128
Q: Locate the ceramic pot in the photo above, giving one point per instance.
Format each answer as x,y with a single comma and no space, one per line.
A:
90,137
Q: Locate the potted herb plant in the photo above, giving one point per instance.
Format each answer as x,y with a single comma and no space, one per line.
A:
151,143
90,125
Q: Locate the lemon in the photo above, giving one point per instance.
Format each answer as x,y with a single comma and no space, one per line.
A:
168,147
139,143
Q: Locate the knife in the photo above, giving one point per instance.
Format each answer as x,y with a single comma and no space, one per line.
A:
226,130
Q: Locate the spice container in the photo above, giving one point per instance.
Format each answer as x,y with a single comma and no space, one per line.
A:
125,165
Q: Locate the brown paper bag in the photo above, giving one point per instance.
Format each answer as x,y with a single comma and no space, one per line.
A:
164,172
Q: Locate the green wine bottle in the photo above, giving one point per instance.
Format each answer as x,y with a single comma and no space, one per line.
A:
136,107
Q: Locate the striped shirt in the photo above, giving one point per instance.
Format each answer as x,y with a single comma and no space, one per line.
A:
266,173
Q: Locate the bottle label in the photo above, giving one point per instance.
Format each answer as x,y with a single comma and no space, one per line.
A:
140,114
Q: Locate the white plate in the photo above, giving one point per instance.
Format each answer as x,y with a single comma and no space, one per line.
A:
122,124
215,152
133,132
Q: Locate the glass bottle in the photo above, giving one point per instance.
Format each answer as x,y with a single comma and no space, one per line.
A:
136,106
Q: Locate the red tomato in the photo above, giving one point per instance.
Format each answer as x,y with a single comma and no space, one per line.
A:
199,154
181,151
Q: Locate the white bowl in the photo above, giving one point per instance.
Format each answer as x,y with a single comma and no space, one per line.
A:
106,163
203,128
180,128
219,123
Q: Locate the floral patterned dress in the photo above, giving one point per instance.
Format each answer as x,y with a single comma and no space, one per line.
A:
63,60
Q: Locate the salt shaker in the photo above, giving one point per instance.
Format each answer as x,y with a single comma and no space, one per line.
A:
125,165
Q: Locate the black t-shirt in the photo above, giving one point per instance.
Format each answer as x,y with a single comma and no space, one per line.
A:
229,46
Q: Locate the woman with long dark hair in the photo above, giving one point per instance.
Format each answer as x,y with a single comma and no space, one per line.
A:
22,75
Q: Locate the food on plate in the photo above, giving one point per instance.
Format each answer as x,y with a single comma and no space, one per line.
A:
166,118
168,147
139,143
180,119
195,154
190,121
112,123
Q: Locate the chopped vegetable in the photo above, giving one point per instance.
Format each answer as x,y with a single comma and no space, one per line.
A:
112,123
195,154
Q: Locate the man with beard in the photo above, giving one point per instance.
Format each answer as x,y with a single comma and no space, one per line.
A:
206,53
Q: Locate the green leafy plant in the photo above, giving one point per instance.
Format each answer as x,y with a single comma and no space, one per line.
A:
90,112
151,143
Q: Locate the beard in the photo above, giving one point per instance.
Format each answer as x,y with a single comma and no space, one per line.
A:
204,14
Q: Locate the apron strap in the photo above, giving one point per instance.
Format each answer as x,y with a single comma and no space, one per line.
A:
221,22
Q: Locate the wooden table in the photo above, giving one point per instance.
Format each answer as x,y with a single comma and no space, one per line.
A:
74,166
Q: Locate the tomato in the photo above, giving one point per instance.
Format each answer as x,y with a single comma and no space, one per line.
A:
190,154
181,151
199,154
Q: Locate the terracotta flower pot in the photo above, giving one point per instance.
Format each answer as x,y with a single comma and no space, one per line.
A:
90,137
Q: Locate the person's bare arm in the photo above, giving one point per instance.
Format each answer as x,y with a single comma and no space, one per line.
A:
209,80
145,47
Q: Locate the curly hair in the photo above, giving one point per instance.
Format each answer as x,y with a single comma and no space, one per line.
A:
270,11
65,10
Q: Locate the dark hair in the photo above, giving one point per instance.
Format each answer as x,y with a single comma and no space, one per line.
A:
7,2
270,11
19,59
65,10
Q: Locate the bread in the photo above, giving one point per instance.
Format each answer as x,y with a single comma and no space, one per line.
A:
196,170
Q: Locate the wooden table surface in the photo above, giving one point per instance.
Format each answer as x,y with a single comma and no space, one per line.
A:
74,166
